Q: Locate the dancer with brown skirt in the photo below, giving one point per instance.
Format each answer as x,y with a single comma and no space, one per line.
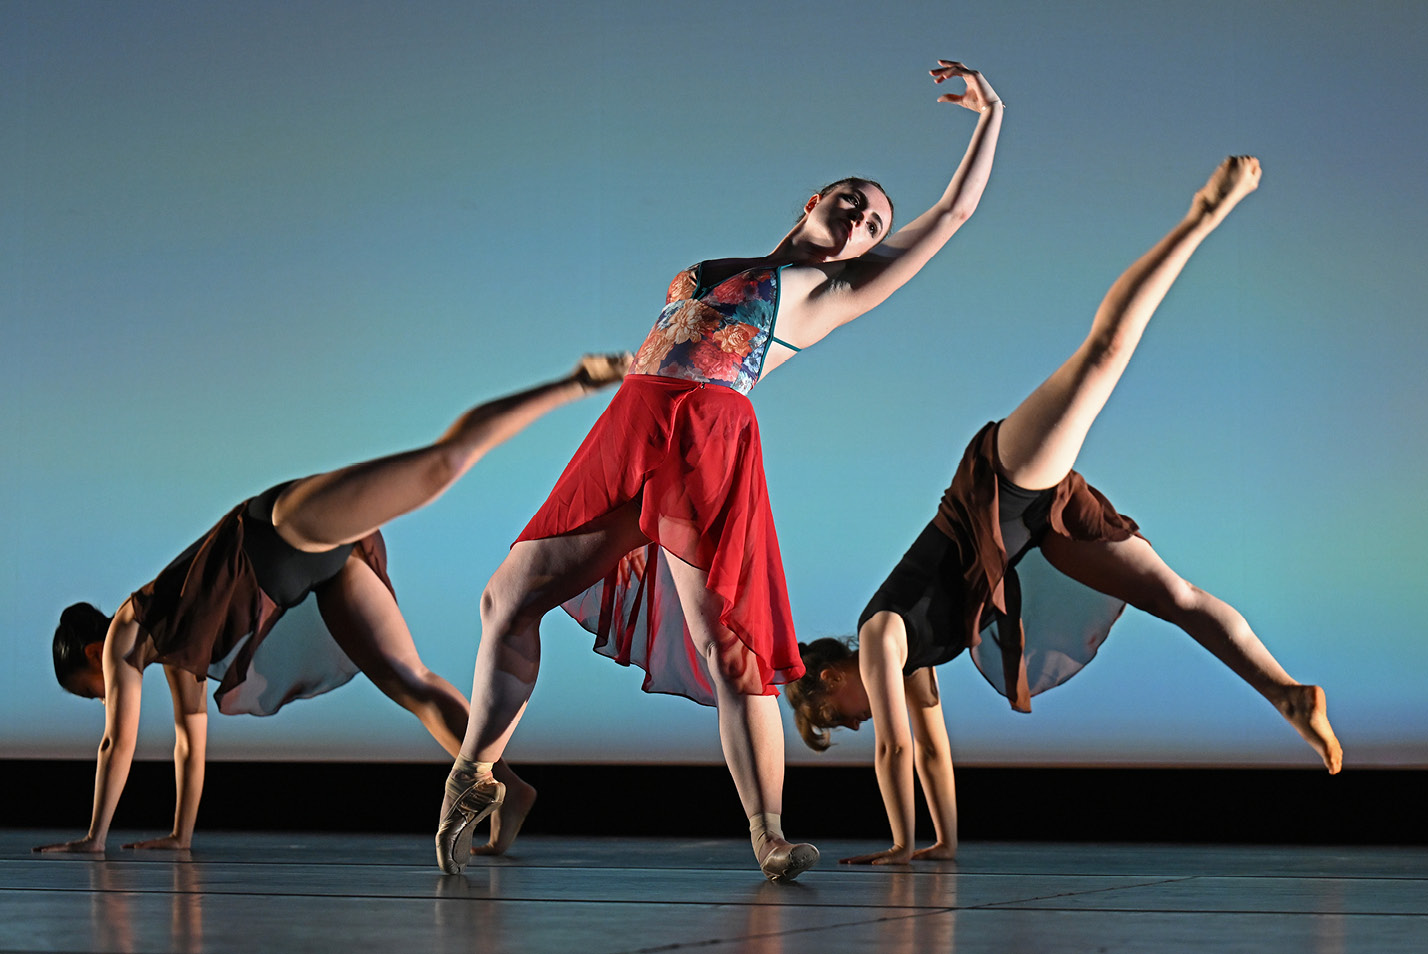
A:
215,611
958,586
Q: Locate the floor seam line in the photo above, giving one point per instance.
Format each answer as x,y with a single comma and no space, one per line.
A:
1076,894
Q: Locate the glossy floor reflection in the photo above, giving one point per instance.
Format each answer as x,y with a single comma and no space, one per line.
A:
320,893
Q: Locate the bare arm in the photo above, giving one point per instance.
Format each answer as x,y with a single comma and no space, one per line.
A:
123,687
190,695
882,649
868,282
933,758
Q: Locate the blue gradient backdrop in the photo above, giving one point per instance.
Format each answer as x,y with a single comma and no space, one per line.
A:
243,242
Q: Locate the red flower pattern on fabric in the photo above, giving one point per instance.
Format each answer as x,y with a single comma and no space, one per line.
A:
682,287
736,339
738,288
715,334
714,363
655,349
691,320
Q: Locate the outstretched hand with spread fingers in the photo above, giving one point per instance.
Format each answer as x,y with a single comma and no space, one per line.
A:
979,96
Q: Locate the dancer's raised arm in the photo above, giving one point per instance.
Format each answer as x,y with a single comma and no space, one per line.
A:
864,282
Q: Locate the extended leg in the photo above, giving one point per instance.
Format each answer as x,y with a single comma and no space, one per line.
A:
341,506
365,621
536,576
750,732
1037,444
1132,571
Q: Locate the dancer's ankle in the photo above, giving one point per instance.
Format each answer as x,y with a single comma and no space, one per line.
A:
468,769
766,833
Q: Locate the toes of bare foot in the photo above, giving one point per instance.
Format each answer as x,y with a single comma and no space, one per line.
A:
1307,709
1235,178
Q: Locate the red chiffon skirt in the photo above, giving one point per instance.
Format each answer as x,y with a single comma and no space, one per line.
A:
690,454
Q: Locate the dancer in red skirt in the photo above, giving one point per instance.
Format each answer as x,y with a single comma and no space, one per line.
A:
958,586
658,537
217,610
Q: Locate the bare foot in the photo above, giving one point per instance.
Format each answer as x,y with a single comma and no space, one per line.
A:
1235,178
506,821
594,371
937,852
1307,711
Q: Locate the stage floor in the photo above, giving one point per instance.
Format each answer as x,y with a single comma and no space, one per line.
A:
333,893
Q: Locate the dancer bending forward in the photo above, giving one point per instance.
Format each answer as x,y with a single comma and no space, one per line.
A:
958,588
658,537
212,612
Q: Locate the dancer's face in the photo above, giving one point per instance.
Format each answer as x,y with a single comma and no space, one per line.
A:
847,222
846,699
88,683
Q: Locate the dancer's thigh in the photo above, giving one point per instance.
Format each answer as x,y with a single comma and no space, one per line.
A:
1128,569
363,617
538,575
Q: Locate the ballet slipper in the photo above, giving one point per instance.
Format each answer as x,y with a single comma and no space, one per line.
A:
779,860
472,795
785,862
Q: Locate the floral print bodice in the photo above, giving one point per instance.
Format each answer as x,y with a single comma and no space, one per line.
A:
717,334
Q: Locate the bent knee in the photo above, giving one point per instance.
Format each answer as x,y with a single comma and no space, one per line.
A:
291,528
403,684
506,606
446,461
1112,345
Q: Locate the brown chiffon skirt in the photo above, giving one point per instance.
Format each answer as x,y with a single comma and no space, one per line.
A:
206,614
1027,626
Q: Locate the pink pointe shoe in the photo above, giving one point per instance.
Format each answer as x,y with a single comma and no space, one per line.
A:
783,864
472,799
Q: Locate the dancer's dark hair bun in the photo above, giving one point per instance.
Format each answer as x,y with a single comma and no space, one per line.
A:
80,625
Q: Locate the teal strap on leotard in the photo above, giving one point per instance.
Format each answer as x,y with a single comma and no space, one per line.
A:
777,340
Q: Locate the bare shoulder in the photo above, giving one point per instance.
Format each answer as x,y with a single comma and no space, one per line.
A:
882,641
127,639
125,613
